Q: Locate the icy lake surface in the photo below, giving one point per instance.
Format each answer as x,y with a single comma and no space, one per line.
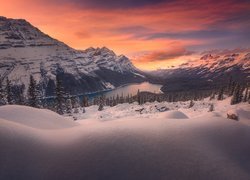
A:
131,89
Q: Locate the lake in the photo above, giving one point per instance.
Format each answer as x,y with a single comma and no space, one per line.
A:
130,89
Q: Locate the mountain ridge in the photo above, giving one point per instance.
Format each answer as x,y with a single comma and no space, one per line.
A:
25,51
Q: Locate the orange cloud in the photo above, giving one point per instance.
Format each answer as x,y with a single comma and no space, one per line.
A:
163,55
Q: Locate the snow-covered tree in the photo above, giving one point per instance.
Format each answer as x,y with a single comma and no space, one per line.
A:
191,104
68,106
212,96
76,104
245,95
211,108
100,108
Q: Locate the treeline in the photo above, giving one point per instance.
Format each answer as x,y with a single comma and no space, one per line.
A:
64,103
238,93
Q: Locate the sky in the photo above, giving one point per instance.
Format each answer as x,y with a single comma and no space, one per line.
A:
152,33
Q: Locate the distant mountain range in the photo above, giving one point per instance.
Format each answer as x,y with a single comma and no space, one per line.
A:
25,51
210,71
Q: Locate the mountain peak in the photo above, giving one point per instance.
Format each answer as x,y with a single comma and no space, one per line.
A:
25,51
20,33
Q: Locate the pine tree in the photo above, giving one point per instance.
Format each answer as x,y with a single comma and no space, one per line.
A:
212,96
245,95
3,99
248,99
211,108
101,105
32,93
20,99
230,84
220,95
76,104
68,106
9,94
191,104
139,98
233,86
236,95
85,101
83,110
60,102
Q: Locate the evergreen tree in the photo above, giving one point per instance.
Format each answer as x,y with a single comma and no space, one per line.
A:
230,84
236,95
191,104
3,99
139,98
117,99
101,105
9,94
85,101
83,110
220,95
212,96
76,104
68,106
20,99
32,93
245,95
60,102
211,108
233,86
248,99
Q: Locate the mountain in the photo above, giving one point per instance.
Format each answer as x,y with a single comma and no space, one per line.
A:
206,73
25,51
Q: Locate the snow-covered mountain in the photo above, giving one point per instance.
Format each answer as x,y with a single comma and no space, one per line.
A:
206,72
25,51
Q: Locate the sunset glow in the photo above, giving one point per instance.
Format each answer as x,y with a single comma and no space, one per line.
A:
154,34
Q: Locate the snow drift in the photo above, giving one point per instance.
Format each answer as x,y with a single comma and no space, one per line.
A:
36,118
135,148
175,115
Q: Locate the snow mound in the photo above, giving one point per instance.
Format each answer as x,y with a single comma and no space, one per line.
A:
36,118
243,114
175,115
204,147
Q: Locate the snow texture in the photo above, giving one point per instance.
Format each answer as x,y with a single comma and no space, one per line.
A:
153,145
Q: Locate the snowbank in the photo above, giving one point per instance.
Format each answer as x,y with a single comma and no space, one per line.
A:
175,115
36,118
129,148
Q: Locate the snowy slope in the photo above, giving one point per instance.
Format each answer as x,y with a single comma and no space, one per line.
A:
25,51
35,118
204,147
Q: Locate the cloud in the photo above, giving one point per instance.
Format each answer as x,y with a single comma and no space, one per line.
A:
115,4
82,35
223,52
130,27
164,55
